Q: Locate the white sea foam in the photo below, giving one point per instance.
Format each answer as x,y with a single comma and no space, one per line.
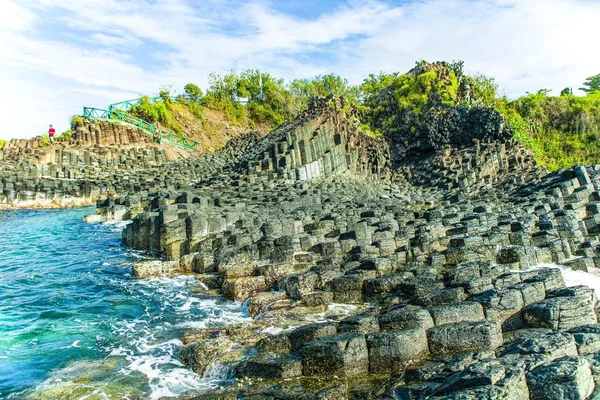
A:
157,359
145,348
218,371
116,226
272,330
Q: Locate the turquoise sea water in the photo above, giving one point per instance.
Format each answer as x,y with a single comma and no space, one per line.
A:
74,323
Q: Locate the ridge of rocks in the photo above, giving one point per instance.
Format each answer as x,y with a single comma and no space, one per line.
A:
431,250
100,160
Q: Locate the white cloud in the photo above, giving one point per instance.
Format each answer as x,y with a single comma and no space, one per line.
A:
15,17
99,51
525,44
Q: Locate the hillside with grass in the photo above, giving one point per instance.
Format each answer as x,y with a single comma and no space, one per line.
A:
561,130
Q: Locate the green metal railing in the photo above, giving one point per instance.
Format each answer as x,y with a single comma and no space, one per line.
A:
158,134
127,104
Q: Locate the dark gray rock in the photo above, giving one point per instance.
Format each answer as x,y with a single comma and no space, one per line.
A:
564,378
464,337
362,324
570,308
462,312
307,333
271,367
341,355
390,351
406,317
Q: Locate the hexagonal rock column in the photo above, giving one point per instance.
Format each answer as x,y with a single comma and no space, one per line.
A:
464,337
391,350
342,355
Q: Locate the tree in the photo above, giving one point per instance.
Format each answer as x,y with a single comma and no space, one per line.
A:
324,85
566,91
484,91
591,84
193,92
373,84
302,90
165,94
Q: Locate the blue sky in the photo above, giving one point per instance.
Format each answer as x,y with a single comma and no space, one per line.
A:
58,55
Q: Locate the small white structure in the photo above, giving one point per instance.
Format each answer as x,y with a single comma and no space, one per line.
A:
241,100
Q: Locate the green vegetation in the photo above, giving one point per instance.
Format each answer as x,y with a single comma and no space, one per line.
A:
271,101
65,135
591,84
157,112
2,143
76,120
560,130
45,141
193,92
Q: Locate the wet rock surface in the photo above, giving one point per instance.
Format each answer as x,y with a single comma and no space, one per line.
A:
386,273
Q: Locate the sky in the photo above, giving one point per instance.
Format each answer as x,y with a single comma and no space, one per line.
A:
57,56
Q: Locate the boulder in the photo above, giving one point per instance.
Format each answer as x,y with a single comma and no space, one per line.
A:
241,289
340,355
156,268
550,277
587,338
390,351
563,310
406,317
307,333
362,324
502,305
464,337
462,312
275,344
564,378
533,351
271,367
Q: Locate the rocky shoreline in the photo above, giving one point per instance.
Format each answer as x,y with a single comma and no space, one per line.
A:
433,247
372,268
99,160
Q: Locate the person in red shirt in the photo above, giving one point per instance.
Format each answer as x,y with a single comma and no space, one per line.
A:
51,133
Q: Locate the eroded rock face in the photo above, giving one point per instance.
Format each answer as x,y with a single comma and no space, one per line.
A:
564,378
433,254
101,160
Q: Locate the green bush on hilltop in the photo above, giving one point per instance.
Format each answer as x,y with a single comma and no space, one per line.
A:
560,130
76,120
45,141
275,102
591,84
157,112
65,135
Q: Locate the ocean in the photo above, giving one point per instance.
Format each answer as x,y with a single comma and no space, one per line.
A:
74,323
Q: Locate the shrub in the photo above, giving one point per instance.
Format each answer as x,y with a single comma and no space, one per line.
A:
76,120
157,112
193,92
45,141
65,135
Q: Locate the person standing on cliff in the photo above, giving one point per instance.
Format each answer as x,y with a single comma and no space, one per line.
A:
51,133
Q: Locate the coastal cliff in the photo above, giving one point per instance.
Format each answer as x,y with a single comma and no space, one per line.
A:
407,247
429,243
99,160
